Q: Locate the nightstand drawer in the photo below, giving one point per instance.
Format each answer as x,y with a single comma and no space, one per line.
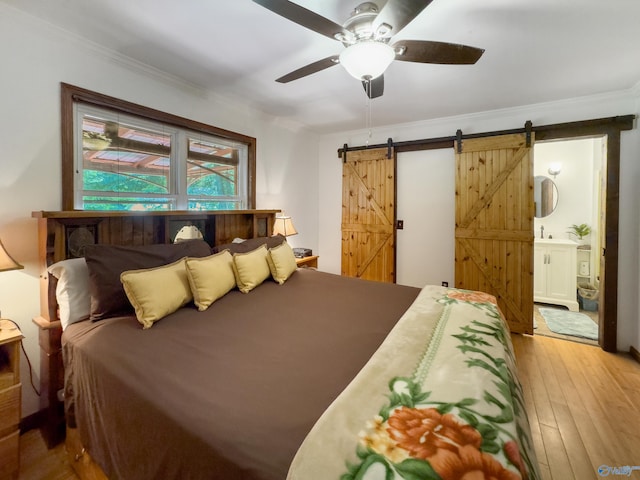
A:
9,409
10,455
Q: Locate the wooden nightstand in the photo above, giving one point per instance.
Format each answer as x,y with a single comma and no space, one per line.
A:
10,399
309,262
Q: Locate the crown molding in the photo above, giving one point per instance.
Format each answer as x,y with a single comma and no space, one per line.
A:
621,102
55,33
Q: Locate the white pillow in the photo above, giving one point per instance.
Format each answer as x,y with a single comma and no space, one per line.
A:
72,291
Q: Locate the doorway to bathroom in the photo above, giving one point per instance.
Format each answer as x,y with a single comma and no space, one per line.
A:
569,226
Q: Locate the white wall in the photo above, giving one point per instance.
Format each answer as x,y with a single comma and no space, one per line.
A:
426,204
606,105
36,58
578,186
574,184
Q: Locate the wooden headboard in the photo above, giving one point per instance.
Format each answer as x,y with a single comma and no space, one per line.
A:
63,234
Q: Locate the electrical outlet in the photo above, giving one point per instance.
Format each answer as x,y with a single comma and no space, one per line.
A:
445,284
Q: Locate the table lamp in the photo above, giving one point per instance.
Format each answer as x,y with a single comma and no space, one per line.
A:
7,262
284,226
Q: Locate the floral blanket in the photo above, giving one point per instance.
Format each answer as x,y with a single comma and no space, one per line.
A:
440,399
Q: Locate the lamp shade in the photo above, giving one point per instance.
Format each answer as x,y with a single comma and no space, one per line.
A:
284,226
367,59
6,262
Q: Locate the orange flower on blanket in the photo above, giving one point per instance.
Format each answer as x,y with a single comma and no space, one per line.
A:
469,463
377,439
477,297
424,431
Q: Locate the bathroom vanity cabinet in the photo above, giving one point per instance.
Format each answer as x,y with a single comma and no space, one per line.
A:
554,272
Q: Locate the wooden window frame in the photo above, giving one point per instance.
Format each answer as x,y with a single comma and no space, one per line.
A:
71,94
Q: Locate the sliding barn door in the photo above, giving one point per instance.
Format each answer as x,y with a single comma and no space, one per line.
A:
494,224
368,215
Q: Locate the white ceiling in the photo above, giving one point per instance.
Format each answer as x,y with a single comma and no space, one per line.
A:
535,51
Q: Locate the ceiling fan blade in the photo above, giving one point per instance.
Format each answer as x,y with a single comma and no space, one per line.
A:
306,18
424,51
374,88
397,14
309,69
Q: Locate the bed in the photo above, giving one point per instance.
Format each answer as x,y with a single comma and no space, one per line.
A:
311,377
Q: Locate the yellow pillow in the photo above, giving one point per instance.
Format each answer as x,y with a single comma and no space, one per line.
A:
210,278
251,268
157,292
282,262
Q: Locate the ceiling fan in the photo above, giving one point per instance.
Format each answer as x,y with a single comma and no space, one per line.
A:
366,34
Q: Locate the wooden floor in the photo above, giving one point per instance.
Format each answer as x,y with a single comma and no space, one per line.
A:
38,463
583,405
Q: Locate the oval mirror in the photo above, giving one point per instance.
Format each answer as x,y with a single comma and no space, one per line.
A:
545,196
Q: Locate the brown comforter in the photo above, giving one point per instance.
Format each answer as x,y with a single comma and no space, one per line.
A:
229,393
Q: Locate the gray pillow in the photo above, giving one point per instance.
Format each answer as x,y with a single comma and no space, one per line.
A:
107,262
250,244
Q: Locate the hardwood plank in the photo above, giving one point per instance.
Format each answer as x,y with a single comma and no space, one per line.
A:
36,462
596,397
549,370
589,434
576,452
556,453
545,472
584,407
528,360
532,414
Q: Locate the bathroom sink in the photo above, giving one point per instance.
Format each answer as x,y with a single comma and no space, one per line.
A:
557,241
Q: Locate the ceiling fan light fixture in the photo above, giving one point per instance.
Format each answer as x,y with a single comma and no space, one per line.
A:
367,59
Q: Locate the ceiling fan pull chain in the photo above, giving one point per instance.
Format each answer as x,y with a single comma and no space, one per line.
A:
370,133
368,116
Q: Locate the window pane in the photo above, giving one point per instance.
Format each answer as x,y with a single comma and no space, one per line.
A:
136,204
214,205
112,182
123,158
212,169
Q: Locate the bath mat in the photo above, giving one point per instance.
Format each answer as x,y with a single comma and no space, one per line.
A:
570,323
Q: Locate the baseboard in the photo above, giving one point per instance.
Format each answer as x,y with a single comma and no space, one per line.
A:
634,353
31,421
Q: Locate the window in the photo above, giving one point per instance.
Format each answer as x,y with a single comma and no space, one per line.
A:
127,157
